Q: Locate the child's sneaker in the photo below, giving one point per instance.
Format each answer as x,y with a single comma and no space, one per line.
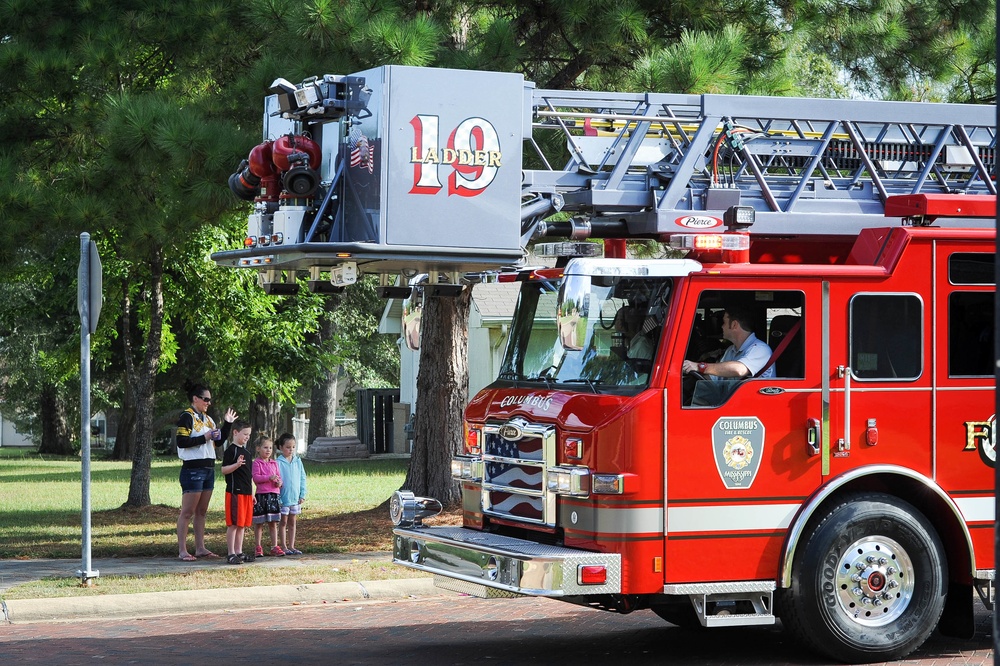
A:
259,551
277,552
292,551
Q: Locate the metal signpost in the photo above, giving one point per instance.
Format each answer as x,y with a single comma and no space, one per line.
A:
89,298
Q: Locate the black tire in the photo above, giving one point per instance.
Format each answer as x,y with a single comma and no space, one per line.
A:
869,583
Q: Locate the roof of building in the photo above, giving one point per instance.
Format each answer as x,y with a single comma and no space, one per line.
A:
496,300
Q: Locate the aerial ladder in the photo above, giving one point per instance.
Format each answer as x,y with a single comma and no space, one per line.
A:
625,476
403,170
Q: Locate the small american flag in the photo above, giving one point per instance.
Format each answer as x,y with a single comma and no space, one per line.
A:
361,152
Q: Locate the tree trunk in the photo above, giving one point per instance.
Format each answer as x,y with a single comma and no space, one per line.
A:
323,399
265,417
323,405
55,423
141,379
442,394
125,439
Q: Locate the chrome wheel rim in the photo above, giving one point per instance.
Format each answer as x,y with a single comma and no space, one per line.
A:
875,581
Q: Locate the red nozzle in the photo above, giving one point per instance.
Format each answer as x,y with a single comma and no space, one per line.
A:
290,144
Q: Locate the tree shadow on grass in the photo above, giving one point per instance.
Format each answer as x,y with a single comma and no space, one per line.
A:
151,532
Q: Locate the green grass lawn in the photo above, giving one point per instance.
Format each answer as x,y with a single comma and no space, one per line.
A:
42,500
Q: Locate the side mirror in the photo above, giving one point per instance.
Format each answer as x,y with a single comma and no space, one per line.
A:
572,312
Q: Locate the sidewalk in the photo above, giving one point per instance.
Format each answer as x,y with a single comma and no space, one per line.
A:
15,572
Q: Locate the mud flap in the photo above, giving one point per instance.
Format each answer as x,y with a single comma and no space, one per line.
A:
958,619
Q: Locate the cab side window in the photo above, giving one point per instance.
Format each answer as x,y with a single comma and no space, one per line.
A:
777,319
887,338
970,334
970,314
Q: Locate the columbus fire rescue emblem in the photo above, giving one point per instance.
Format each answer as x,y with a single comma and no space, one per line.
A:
738,445
738,452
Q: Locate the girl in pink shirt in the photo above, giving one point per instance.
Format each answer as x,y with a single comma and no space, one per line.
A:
267,502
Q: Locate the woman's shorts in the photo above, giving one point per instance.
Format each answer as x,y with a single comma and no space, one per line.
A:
197,479
292,510
267,508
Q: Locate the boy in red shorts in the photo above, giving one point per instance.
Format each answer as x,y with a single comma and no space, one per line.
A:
239,492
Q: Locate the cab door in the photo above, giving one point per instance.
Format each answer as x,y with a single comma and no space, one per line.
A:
964,396
738,471
880,367
881,401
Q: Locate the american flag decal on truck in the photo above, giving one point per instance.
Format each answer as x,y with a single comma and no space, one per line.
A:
514,471
361,151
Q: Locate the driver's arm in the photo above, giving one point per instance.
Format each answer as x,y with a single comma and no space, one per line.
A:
723,369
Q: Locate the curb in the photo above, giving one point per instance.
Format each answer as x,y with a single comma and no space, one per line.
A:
152,604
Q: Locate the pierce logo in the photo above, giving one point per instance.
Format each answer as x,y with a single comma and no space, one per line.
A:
472,155
698,222
511,431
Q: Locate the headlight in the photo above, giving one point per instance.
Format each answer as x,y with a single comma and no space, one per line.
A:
573,481
467,468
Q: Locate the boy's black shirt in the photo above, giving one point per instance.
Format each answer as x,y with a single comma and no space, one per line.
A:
239,482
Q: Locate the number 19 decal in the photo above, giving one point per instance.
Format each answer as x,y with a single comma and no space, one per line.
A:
473,155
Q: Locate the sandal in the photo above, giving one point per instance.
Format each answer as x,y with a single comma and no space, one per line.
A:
235,559
187,558
208,555
249,557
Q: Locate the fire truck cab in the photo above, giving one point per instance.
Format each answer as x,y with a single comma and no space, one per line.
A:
849,491
791,416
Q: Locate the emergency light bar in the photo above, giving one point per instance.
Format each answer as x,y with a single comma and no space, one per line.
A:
710,242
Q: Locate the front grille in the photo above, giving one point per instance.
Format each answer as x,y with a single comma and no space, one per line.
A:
514,471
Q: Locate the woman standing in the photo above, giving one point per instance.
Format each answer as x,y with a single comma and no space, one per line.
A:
196,439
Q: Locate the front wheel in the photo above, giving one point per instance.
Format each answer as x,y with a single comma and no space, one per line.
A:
869,583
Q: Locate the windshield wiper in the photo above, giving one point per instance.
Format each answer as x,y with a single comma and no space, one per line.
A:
588,382
545,375
512,377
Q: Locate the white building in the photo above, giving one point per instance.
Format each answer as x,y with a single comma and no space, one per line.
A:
9,436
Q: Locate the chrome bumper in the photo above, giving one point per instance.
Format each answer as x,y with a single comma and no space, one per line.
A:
501,563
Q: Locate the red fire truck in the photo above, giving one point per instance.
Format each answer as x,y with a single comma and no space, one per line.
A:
632,453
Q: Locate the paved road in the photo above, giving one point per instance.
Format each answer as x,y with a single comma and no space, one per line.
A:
452,630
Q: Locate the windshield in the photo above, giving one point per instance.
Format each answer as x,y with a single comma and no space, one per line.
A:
603,335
